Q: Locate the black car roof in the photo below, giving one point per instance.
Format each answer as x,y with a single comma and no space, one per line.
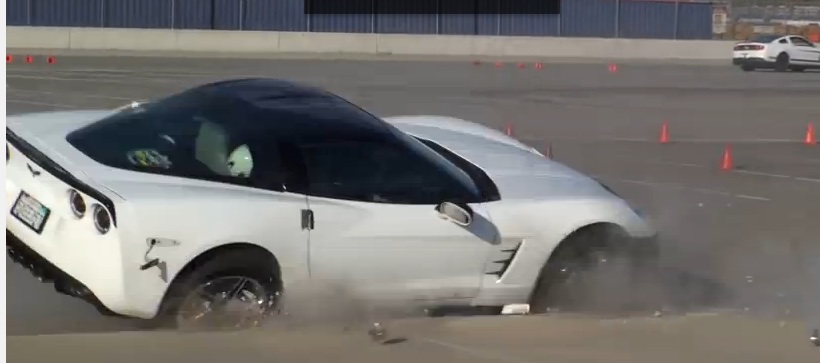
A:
298,108
254,90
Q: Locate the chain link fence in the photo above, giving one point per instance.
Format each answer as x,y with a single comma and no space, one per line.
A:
744,18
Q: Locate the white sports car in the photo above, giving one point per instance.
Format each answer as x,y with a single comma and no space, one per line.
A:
778,52
206,205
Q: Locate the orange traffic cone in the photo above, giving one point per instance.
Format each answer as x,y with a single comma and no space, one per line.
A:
613,68
811,139
727,163
509,129
664,138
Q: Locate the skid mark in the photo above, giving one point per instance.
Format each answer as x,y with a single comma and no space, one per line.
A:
483,354
697,190
73,94
46,104
704,141
738,171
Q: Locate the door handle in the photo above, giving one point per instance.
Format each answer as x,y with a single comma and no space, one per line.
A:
307,219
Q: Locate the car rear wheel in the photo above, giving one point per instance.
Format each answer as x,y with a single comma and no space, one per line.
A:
233,291
782,63
588,273
798,69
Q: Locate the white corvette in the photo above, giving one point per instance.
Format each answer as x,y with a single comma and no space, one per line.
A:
778,52
206,205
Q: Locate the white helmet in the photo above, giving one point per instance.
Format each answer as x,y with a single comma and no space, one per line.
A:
240,162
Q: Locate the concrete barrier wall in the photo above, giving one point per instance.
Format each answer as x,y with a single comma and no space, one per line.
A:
384,44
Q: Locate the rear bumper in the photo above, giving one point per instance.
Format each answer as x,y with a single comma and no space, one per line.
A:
753,62
47,272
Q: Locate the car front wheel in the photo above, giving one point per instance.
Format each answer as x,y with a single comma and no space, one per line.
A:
589,272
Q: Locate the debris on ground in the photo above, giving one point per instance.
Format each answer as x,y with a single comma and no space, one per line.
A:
516,309
377,332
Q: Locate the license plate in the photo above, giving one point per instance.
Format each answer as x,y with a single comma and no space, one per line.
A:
30,211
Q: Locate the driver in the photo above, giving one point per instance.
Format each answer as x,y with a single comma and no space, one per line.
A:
240,162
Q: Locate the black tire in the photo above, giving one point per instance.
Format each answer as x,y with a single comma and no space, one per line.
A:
747,68
798,69
588,273
242,262
782,63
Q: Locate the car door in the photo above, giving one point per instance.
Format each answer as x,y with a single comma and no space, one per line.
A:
374,226
805,52
267,213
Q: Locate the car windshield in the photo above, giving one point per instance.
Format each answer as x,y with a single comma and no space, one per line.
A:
437,159
765,38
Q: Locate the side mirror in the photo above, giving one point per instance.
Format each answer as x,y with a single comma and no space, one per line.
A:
458,214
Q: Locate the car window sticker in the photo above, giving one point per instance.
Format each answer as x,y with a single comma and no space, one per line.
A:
149,158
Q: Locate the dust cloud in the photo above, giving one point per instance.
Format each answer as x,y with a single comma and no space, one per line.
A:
336,305
713,259
710,262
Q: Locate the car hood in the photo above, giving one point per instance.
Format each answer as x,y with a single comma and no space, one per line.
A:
519,171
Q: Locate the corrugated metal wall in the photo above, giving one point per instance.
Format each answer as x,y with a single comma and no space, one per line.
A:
589,18
137,13
661,19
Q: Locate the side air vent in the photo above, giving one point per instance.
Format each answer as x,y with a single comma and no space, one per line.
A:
503,258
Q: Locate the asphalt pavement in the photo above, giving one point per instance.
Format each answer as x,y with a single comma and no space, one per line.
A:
749,235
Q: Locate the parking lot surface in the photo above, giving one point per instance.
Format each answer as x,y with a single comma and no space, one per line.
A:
749,235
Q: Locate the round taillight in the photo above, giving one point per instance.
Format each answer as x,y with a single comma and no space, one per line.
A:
77,203
102,220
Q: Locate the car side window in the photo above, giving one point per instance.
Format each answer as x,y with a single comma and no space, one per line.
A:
800,42
783,41
375,172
